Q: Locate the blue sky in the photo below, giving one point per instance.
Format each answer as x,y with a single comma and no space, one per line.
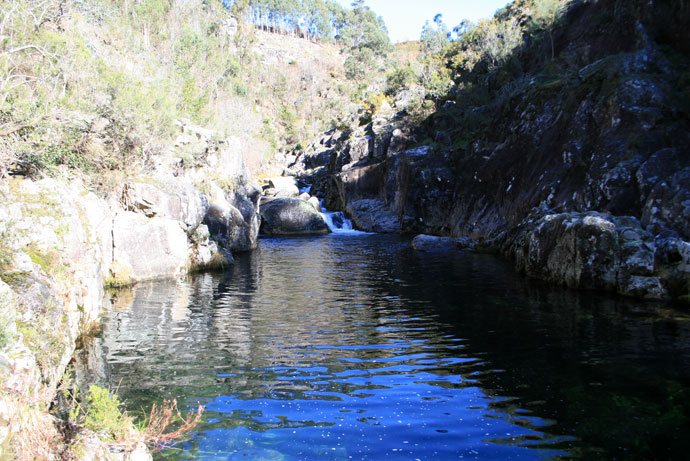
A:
405,18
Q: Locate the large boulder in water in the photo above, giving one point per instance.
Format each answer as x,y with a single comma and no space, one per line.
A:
234,223
288,216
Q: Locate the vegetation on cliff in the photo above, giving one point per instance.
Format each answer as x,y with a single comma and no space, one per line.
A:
96,86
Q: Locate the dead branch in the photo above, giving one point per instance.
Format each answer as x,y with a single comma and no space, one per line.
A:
15,128
162,417
40,49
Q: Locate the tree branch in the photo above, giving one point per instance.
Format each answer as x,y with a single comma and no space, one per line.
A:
15,128
40,49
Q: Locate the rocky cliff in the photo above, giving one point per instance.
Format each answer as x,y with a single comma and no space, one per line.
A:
62,243
576,167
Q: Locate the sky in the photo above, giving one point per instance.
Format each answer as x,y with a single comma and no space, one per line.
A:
405,18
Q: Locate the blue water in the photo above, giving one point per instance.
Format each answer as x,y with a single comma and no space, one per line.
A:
356,347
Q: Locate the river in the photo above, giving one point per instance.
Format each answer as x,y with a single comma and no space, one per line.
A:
357,347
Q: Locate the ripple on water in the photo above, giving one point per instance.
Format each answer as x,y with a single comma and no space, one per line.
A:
354,347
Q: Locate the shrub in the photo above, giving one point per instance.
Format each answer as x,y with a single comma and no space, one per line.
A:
399,78
104,416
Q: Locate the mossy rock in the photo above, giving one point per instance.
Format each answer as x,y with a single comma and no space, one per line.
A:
120,275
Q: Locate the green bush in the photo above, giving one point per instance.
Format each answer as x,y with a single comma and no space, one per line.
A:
399,78
104,416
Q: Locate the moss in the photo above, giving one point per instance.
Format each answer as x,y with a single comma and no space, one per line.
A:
7,322
120,276
219,262
48,260
45,341
14,278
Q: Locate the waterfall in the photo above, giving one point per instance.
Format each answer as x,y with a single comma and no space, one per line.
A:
337,221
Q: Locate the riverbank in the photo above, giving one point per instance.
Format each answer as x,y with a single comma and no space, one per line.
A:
64,243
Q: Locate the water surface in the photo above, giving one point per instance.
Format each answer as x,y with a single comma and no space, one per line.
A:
355,347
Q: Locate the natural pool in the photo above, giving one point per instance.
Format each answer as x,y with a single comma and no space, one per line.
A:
356,347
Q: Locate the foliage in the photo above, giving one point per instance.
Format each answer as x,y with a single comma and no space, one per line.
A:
373,102
95,87
319,20
399,78
101,412
435,38
545,15
103,415
360,64
7,320
161,418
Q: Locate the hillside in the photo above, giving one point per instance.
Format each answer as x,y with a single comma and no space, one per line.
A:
97,86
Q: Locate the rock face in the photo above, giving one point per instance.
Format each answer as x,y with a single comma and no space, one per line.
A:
607,144
173,199
149,248
61,244
234,222
285,216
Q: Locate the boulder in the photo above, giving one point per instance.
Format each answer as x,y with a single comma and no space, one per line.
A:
315,203
284,186
205,253
425,242
147,248
359,149
173,199
233,219
599,251
286,216
372,215
227,227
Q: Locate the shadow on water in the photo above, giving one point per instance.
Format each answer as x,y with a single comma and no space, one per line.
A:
358,348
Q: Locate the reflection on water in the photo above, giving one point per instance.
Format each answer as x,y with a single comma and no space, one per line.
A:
354,347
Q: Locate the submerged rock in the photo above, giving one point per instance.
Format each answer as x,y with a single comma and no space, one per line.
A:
425,242
287,216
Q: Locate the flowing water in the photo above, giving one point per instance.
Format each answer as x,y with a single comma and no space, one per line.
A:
356,347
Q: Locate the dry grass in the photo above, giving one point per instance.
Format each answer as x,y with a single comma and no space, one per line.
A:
163,417
32,432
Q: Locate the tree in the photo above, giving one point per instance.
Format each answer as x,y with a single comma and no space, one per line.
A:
545,16
461,28
499,42
435,37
